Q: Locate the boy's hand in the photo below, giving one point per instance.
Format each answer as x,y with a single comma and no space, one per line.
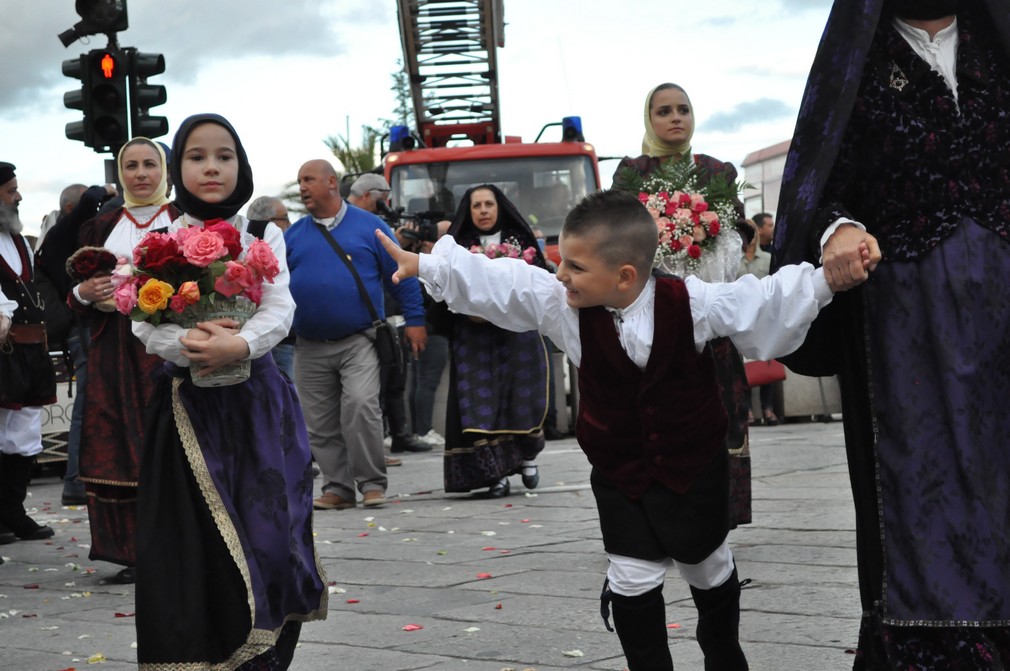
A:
406,262
849,256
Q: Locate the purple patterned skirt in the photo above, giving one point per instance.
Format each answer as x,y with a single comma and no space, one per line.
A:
497,402
225,555
940,369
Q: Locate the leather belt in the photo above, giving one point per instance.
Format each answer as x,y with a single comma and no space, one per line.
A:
27,334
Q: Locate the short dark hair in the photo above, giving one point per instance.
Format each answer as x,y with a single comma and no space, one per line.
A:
759,219
629,233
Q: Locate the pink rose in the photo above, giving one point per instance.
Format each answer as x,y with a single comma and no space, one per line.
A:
260,257
698,203
125,297
686,240
699,233
229,234
529,255
203,248
236,278
185,233
255,294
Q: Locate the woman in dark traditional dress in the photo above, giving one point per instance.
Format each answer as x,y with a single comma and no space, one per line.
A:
903,128
669,127
226,566
119,371
497,378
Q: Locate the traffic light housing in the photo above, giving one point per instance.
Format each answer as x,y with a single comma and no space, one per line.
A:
144,96
97,16
78,100
106,99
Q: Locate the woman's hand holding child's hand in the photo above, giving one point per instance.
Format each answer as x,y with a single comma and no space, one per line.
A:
850,255
214,344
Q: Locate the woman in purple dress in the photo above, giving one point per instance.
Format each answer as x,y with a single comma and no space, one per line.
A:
903,140
497,379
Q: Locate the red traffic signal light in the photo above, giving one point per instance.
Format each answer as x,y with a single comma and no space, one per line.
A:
108,91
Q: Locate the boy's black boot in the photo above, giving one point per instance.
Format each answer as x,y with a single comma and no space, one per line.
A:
719,625
641,626
15,474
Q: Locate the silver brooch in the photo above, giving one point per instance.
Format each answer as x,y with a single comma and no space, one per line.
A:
898,78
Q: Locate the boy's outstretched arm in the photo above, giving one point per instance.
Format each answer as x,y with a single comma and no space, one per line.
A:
406,262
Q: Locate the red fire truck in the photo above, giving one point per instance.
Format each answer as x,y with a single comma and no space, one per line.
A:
449,51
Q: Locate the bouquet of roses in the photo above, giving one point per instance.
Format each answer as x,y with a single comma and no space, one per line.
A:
692,220
88,262
196,267
508,248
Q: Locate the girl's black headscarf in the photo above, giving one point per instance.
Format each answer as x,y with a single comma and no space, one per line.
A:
510,223
189,203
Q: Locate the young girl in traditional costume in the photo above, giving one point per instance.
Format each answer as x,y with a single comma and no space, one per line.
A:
226,568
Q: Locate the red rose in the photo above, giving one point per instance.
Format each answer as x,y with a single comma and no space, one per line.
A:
85,265
157,251
713,228
87,262
694,251
228,233
671,207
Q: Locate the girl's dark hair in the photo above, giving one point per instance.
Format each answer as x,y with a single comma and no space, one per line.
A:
628,232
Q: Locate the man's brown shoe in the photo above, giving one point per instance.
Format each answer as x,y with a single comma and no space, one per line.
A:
331,501
373,497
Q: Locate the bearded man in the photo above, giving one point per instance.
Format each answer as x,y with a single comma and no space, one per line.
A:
27,379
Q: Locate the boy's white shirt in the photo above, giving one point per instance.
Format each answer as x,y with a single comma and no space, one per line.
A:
764,318
267,327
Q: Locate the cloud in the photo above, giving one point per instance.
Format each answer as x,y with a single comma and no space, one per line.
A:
796,6
192,34
753,111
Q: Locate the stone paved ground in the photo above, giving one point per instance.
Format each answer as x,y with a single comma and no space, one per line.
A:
503,584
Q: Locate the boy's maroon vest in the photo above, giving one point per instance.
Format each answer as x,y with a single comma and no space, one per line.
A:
663,424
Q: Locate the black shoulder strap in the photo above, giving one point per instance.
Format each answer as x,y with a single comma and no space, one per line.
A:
350,266
257,227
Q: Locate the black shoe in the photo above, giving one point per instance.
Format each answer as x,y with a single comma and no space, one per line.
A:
500,489
530,481
74,494
551,433
408,444
127,576
39,533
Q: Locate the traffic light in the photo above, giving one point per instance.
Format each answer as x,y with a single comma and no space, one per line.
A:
144,96
78,100
97,16
106,98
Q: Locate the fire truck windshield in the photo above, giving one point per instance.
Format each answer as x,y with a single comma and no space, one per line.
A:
544,188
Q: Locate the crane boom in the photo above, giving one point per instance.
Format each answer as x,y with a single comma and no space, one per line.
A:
449,55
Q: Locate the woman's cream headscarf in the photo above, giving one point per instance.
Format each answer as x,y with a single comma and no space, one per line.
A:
652,145
158,197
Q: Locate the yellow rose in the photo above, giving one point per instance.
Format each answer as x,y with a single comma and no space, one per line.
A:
154,296
190,292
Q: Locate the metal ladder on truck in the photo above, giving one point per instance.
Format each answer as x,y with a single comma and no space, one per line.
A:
449,55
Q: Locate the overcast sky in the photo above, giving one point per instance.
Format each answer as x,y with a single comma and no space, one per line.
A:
289,74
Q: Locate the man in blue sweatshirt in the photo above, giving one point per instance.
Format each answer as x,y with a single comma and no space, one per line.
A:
336,367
